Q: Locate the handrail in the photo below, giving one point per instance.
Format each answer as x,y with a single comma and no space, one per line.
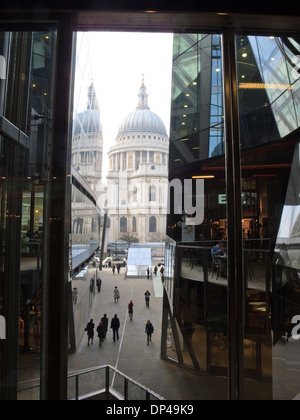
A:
126,378
108,389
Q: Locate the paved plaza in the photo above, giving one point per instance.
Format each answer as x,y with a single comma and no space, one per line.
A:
130,354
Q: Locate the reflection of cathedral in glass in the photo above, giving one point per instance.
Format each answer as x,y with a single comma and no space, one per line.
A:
87,146
138,176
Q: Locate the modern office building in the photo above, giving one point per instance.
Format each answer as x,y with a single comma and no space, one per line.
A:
138,176
27,182
231,304
197,289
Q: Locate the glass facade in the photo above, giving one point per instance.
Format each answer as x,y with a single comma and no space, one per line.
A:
28,187
197,319
85,242
268,92
195,305
26,93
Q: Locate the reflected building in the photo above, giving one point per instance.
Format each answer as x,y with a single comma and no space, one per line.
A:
87,147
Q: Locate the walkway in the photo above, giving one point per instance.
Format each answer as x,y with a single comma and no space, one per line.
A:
130,354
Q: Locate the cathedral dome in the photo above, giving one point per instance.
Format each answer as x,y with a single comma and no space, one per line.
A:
87,122
142,119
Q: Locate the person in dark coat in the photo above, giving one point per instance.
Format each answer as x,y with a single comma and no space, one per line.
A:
149,330
130,310
99,284
147,298
90,331
104,321
101,333
115,325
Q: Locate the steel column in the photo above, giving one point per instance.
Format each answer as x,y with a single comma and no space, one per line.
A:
236,291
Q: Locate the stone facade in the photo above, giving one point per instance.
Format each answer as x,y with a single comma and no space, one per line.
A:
138,176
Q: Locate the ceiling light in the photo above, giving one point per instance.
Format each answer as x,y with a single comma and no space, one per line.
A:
203,177
270,86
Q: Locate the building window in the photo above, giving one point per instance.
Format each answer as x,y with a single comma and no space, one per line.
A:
134,224
130,161
123,225
152,194
152,225
134,195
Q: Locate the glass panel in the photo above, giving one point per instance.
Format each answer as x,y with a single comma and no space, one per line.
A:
268,88
26,99
196,252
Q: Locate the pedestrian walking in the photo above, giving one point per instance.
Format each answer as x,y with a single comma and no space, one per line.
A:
114,269
155,270
90,331
149,330
101,333
130,310
116,295
99,284
104,321
75,295
148,273
92,285
147,298
115,325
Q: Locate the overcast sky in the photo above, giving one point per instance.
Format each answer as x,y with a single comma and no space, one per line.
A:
118,61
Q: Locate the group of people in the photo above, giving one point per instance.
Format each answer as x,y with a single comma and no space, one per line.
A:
114,267
98,284
115,326
102,328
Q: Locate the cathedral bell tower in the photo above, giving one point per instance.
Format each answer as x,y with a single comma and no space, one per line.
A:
143,97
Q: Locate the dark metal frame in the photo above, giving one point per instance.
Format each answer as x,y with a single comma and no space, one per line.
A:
236,290
55,341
